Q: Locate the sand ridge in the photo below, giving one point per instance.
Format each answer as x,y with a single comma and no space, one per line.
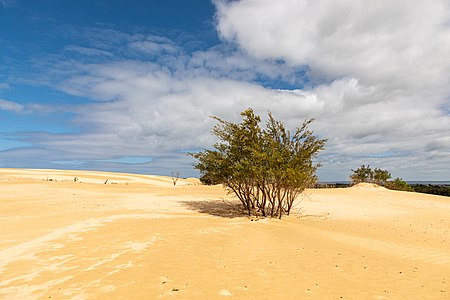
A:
140,237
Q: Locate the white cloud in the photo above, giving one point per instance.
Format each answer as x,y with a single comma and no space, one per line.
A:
154,110
374,74
387,63
147,110
10,106
399,44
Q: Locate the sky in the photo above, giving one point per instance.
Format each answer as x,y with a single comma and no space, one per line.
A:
130,86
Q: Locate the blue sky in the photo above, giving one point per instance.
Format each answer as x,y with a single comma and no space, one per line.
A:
129,85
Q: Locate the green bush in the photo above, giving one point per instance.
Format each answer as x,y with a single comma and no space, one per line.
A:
265,168
366,174
399,185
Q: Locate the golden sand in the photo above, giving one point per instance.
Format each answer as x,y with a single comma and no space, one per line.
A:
140,237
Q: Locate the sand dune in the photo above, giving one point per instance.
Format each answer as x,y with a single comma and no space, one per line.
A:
140,237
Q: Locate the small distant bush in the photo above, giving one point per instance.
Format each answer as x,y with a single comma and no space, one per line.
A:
369,175
362,174
399,185
175,177
380,177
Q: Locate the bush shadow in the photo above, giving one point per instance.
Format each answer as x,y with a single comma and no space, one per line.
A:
218,208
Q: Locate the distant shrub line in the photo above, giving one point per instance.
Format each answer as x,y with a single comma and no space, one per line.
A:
441,190
331,185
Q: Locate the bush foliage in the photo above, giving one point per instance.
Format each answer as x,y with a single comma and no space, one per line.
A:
265,168
366,174
380,177
399,185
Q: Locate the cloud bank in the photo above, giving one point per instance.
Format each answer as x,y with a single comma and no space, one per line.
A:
373,74
380,68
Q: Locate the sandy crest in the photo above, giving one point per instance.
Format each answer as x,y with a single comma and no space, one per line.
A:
139,237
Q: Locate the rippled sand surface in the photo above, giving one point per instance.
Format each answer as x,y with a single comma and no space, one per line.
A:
96,235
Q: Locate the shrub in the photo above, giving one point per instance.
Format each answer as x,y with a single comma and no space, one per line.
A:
399,185
381,177
366,174
362,174
265,168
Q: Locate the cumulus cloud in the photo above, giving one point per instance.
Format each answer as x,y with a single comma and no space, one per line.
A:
376,42
374,74
145,109
380,69
157,107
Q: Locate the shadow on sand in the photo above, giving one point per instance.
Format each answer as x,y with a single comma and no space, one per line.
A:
219,208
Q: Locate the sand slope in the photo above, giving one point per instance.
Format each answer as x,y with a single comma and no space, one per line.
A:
139,237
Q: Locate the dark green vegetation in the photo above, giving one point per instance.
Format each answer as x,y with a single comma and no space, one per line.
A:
265,168
367,174
331,185
442,190
399,185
